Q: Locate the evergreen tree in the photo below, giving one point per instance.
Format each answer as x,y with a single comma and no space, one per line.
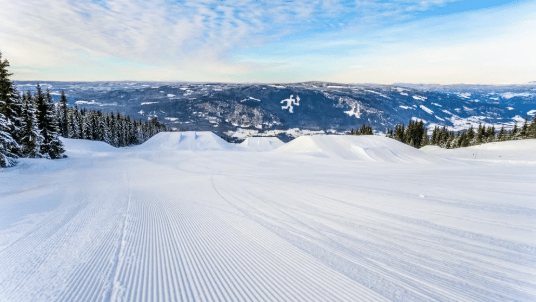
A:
29,126
10,108
471,135
424,140
490,134
41,107
31,136
6,141
414,133
79,124
515,132
523,133
63,116
389,133
365,130
450,140
71,125
399,133
463,139
51,146
502,135
532,128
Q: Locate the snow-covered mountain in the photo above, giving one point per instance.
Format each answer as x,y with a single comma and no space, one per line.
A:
240,110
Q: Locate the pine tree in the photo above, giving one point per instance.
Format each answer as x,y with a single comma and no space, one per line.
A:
523,133
490,134
389,133
502,135
6,141
480,135
10,108
31,136
51,146
113,130
399,133
79,124
515,132
71,124
532,128
463,139
424,140
364,130
470,136
451,140
63,116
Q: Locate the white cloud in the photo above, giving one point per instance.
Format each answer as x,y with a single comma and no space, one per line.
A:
214,40
481,52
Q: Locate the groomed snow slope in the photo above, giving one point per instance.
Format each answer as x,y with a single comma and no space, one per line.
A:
264,226
83,148
261,144
521,151
368,148
190,140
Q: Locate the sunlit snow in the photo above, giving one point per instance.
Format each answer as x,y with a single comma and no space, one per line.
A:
187,216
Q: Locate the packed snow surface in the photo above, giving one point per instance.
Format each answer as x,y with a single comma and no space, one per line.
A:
362,148
111,224
522,151
191,140
261,144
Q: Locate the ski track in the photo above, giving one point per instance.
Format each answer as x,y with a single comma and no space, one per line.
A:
144,228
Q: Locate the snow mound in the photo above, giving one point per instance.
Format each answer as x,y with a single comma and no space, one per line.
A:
191,140
84,147
369,148
261,144
521,151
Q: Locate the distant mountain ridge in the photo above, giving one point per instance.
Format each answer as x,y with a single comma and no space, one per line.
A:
293,109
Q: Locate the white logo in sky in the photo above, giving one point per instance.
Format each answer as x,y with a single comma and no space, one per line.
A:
291,102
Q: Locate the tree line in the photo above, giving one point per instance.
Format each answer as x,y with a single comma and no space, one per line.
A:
364,130
415,134
30,124
444,138
113,128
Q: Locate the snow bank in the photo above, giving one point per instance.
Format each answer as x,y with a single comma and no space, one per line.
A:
84,147
261,144
191,140
522,151
369,148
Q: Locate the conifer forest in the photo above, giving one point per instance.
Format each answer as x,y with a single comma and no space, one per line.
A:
30,124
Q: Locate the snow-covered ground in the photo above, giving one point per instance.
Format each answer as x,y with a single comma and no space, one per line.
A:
518,151
189,217
261,144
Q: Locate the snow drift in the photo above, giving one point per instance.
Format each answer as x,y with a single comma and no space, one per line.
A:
191,140
369,148
261,144
83,147
522,151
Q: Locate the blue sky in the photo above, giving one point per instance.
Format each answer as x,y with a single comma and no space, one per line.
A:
373,41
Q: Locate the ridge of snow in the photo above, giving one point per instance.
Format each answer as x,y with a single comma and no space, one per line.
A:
261,143
369,148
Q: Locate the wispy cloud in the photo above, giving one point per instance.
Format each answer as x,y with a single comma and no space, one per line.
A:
194,40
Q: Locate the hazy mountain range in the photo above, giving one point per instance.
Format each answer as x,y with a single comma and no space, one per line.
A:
293,109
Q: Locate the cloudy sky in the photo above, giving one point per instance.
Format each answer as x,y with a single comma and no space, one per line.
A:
360,41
